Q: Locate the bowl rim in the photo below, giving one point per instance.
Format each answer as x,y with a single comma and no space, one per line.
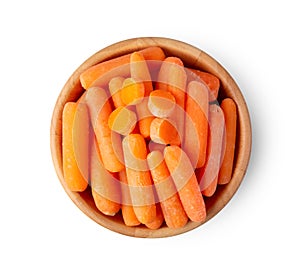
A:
190,55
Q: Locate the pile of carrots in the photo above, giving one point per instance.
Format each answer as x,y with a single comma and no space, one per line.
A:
149,138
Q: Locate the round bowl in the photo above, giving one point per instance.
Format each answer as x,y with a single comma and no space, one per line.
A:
192,57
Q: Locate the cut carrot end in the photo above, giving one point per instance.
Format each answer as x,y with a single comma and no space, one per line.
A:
132,92
122,120
161,103
163,131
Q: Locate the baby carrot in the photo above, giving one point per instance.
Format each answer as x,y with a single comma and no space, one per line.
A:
161,103
122,120
139,71
105,188
109,142
132,92
210,80
196,123
163,131
75,143
158,220
92,76
115,86
128,214
209,172
186,183
139,179
172,209
230,114
173,74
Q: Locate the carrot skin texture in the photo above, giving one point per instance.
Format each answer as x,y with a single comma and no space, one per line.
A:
105,188
230,115
109,142
209,172
92,76
170,203
196,123
128,214
158,220
186,183
75,143
139,178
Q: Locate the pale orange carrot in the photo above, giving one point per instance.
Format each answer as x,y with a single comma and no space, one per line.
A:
115,86
128,214
209,172
132,92
105,188
158,220
139,178
161,103
139,71
230,114
173,74
186,183
163,131
75,145
122,120
118,66
172,209
196,123
109,142
210,80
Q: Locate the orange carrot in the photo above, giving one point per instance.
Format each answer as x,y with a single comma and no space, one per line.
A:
109,142
139,179
132,92
128,214
186,183
158,220
172,209
163,131
196,123
105,188
75,143
139,71
122,120
209,172
173,74
230,114
115,86
210,80
92,76
161,103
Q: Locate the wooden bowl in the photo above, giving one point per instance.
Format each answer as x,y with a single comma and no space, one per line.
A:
192,57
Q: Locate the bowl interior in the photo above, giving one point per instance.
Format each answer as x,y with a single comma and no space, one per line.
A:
191,57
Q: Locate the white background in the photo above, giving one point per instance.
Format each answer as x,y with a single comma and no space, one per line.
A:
43,42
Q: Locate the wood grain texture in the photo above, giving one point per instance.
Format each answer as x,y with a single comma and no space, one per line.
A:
191,57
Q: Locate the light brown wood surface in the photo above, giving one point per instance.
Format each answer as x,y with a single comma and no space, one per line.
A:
191,57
